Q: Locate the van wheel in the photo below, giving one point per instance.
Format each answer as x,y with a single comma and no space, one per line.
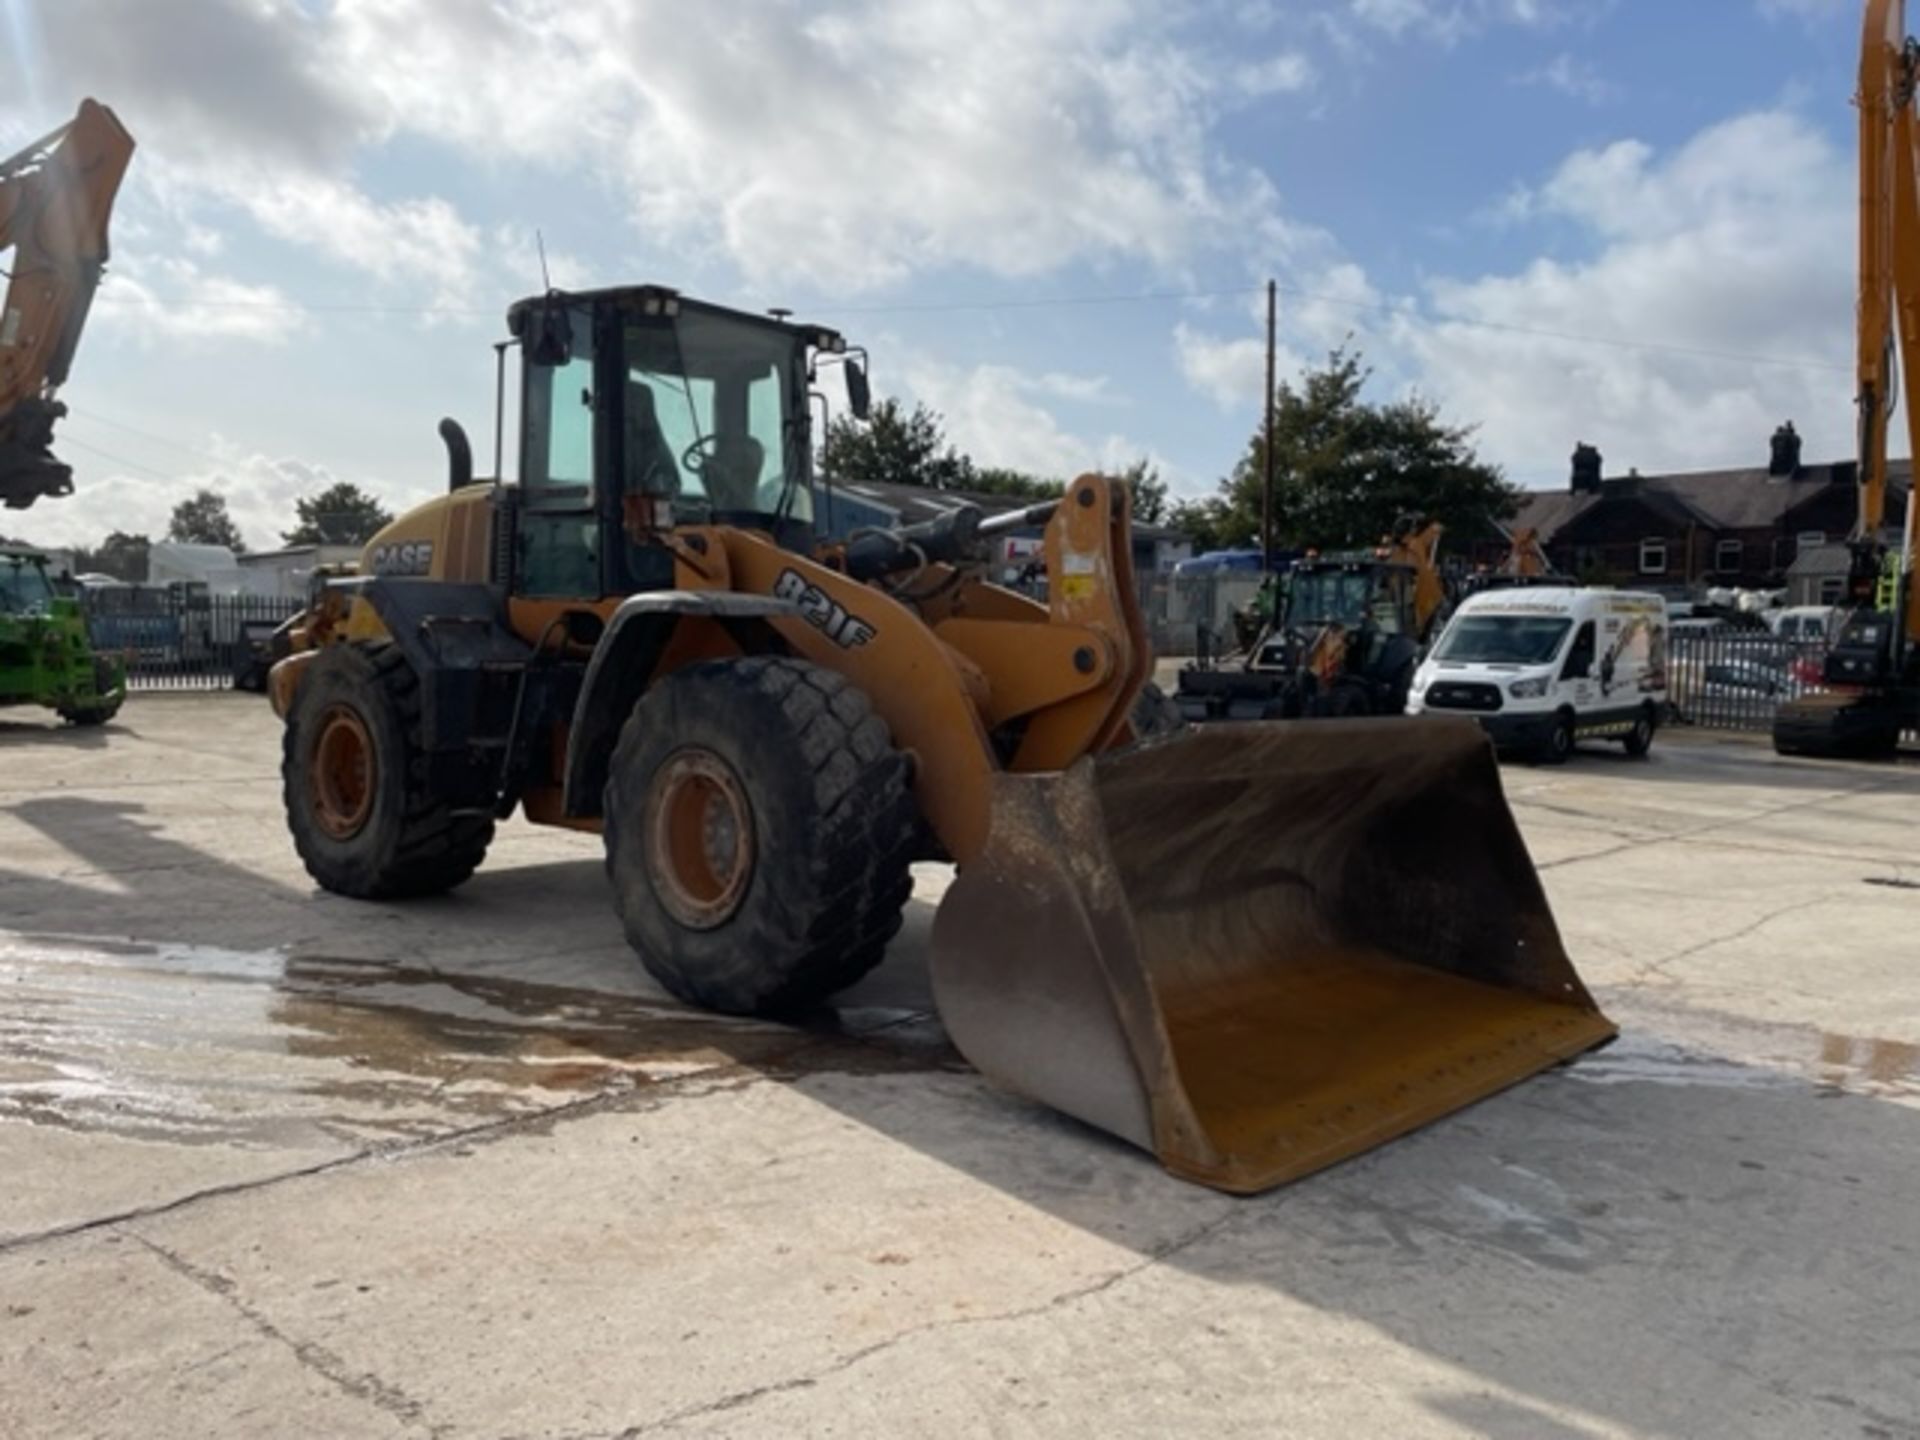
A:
1640,739
1559,742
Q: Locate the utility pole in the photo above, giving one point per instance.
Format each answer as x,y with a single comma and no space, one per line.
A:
1266,491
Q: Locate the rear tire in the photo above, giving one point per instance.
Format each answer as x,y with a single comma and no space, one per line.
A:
1640,739
354,779
759,828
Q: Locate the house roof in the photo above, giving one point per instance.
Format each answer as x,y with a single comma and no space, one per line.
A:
1829,559
1747,499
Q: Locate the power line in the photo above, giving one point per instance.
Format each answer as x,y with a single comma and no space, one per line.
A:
148,435
940,307
120,459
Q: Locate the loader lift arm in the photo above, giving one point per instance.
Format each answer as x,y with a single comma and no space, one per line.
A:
56,197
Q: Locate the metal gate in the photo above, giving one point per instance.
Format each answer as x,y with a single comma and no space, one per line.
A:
180,638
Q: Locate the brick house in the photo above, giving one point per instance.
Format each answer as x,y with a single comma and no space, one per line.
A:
1682,533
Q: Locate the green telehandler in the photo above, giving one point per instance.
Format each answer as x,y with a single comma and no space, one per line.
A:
46,657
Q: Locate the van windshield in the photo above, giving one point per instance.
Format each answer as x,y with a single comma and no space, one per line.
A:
1504,639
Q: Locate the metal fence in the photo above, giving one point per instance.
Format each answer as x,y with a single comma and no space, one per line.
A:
181,639
1735,679
1183,613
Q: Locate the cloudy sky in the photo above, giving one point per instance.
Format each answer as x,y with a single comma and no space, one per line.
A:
1623,221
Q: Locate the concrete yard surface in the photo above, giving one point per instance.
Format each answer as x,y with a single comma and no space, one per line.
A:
280,1163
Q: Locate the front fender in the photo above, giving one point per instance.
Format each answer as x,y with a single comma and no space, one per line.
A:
623,662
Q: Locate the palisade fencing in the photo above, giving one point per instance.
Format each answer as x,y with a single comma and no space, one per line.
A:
1735,679
175,638
1191,615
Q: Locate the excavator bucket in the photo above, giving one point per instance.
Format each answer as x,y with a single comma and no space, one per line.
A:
1258,949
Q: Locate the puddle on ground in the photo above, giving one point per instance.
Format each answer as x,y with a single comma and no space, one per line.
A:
198,1044
1891,1063
1731,1053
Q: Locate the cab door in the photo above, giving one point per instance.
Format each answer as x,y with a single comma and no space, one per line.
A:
1576,671
562,445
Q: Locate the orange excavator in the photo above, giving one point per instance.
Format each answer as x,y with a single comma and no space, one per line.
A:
55,200
1873,668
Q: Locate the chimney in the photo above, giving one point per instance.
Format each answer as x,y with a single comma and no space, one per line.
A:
1784,463
1586,469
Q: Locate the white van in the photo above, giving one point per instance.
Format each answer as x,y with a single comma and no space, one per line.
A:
1806,622
1543,667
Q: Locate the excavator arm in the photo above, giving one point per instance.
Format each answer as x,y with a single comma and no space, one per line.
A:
55,200
1889,301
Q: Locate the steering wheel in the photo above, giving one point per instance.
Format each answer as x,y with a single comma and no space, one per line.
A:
693,459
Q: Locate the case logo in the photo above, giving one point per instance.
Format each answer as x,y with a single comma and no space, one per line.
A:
822,611
404,557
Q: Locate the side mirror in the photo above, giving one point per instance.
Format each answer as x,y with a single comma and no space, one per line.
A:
859,393
552,340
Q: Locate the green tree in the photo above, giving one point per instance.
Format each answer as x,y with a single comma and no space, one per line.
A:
1147,490
121,555
341,514
202,519
1205,522
895,446
1345,468
997,480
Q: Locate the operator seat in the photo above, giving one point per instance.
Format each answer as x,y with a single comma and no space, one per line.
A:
651,467
732,472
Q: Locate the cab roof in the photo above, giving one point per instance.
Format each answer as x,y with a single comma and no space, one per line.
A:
1554,600
665,300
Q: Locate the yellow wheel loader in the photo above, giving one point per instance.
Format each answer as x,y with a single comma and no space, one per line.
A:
1252,950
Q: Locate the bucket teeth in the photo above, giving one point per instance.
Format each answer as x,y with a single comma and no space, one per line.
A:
1259,949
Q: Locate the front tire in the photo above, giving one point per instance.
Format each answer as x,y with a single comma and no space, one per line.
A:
1557,749
354,779
759,829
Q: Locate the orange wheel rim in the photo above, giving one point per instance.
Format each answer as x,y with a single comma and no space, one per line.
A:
344,774
700,838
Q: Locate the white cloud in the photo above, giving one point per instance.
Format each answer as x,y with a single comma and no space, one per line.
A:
852,143
176,303
422,242
1740,242
260,490
1449,21
1572,77
1319,309
1284,73
993,413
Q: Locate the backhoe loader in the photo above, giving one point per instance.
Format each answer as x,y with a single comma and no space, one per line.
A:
1873,666
1344,639
1250,950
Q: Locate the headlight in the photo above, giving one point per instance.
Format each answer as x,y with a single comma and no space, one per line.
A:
1529,689
1420,682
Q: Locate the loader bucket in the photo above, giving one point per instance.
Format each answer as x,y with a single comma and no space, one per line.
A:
1257,949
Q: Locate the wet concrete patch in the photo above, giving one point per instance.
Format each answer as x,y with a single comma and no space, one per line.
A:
200,1045
1673,1045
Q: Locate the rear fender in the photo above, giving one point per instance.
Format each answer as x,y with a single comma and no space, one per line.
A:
624,662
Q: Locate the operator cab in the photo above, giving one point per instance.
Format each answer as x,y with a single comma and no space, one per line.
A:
643,410
24,586
1369,599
